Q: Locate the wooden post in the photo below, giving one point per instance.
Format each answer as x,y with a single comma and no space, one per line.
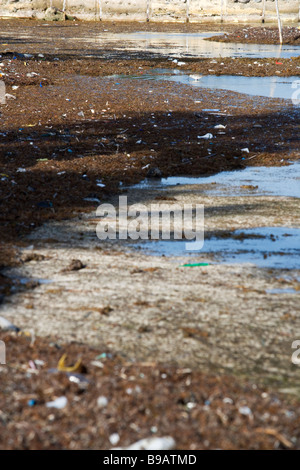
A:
279,22
223,9
148,10
187,11
263,11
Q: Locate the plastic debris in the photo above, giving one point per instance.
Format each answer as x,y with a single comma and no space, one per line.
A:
103,356
246,150
7,325
7,95
59,403
91,199
78,379
102,402
228,401
245,411
206,136
114,438
193,265
61,366
151,443
31,402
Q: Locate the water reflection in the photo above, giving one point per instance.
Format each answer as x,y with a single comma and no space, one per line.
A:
189,45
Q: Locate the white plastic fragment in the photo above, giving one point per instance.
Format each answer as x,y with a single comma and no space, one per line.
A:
91,199
206,136
220,126
246,150
228,400
59,403
7,325
245,411
102,402
151,443
114,438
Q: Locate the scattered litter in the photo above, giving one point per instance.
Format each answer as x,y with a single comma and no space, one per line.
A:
246,150
7,325
151,443
61,366
206,136
245,411
78,379
103,356
59,403
114,438
31,402
228,401
91,199
102,402
193,265
97,364
7,95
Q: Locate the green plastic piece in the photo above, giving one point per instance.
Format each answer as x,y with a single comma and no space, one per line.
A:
194,265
